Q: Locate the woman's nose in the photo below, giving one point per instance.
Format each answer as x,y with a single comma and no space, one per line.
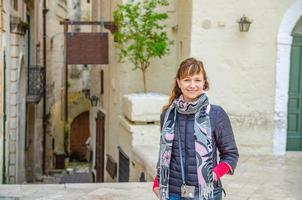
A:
192,84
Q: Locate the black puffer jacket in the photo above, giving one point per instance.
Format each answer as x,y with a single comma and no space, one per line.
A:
223,141
185,131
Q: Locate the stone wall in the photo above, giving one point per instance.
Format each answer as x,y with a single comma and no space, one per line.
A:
78,75
16,96
5,49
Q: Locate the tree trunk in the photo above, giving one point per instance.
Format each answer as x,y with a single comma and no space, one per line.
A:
144,79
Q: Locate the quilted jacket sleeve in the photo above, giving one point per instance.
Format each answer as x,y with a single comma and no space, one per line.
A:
226,144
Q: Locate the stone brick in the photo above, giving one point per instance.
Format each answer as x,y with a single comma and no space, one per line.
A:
13,111
13,75
12,170
13,87
14,50
12,179
14,64
13,123
13,100
12,147
12,159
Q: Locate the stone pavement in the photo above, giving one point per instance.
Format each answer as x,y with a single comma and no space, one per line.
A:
256,178
266,178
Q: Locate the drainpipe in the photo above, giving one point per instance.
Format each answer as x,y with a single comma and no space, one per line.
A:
4,119
45,10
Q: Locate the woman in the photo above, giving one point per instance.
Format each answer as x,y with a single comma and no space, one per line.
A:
192,131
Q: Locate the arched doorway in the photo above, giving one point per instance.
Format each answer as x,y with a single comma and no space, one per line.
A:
294,116
79,133
284,43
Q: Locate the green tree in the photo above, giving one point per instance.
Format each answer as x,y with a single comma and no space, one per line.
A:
141,33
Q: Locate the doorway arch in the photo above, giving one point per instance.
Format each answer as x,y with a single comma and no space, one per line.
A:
284,42
79,133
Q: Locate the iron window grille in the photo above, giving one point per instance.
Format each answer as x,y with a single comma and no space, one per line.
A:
35,81
123,169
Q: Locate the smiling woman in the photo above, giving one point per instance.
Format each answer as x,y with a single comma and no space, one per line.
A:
192,133
193,84
191,80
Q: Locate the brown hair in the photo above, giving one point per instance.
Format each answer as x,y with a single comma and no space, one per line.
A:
188,67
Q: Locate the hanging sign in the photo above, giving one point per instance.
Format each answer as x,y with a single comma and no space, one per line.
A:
87,48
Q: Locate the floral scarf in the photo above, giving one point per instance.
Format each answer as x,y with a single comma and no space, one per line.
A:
203,144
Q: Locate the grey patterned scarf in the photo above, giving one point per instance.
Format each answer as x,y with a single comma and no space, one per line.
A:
203,144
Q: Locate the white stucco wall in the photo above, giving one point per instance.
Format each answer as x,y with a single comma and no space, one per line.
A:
240,66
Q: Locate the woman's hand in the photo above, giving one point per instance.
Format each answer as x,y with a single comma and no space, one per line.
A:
215,176
156,191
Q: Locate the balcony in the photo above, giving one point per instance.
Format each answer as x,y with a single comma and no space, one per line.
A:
35,83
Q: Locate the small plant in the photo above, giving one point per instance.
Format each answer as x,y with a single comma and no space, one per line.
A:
141,35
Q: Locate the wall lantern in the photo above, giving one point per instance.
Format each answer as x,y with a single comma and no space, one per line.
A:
244,24
94,101
86,92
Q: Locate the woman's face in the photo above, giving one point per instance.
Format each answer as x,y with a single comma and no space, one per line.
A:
191,86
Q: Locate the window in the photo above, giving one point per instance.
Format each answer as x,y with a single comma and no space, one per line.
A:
102,82
14,4
123,175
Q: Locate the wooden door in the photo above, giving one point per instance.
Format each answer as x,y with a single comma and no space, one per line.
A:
79,133
100,146
294,118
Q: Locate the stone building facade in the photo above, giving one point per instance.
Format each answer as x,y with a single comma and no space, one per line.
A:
249,75
34,125
17,62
